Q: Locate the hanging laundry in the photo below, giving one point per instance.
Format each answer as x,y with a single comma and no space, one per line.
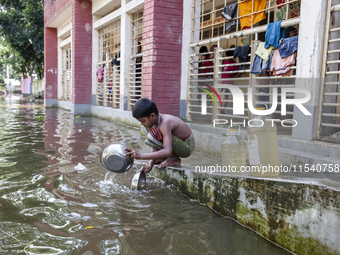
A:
230,14
281,66
273,34
245,7
287,46
264,53
100,75
259,64
115,61
241,52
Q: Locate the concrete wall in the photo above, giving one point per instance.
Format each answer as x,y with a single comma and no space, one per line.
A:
303,217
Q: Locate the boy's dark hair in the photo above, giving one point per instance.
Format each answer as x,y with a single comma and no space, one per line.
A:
143,108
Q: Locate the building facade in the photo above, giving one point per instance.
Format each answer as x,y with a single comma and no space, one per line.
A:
108,53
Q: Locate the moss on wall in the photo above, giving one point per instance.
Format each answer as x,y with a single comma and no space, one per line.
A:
280,211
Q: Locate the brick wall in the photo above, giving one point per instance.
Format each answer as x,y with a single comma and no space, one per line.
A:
51,62
81,51
53,7
162,48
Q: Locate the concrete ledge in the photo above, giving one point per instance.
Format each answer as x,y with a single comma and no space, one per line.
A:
117,115
66,105
51,102
291,151
301,216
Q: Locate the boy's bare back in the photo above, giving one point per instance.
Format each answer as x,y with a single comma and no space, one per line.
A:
177,126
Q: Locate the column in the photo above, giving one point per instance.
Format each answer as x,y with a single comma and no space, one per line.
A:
51,67
81,57
309,63
162,42
125,53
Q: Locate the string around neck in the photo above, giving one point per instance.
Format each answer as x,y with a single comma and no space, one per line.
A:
159,119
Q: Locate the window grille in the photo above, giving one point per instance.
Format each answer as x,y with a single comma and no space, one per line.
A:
329,110
215,67
135,88
212,24
66,77
108,70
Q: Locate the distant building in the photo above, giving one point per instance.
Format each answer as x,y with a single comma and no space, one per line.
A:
13,85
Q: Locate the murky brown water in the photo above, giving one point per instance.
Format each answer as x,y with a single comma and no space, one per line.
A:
49,207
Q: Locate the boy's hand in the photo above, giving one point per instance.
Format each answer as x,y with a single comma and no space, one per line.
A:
132,153
145,169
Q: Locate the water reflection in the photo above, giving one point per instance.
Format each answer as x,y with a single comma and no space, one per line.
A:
49,206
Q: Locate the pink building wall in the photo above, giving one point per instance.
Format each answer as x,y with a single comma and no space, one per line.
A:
162,42
81,52
162,49
51,63
51,9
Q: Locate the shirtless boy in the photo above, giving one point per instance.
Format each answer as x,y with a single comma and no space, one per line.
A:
169,136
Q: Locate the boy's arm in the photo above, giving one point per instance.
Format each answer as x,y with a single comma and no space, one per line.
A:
147,168
164,153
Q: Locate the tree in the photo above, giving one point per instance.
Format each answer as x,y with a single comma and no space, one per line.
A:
8,57
22,26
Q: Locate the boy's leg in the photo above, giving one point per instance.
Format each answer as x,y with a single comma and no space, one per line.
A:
180,148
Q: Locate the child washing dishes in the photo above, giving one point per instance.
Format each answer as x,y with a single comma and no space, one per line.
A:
169,136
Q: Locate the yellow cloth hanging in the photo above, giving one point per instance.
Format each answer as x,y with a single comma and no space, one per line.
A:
245,7
264,53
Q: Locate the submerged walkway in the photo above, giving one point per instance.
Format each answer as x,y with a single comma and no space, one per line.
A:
299,211
57,198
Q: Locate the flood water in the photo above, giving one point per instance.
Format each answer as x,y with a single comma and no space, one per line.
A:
50,206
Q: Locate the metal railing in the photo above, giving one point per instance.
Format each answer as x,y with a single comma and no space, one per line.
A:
135,88
108,90
66,85
212,24
329,110
135,69
217,75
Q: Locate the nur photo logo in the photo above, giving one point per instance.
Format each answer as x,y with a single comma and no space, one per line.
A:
238,100
204,98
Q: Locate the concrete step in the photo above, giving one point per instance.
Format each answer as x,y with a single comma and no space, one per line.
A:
209,140
307,165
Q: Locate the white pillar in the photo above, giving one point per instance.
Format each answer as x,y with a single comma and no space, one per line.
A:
309,63
125,53
186,49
